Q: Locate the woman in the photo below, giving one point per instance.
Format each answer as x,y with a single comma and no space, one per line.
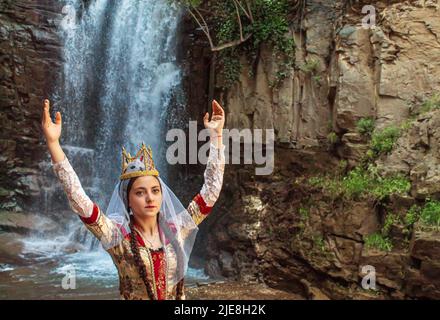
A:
146,230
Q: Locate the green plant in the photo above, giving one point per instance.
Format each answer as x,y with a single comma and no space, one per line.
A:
384,187
382,141
269,24
407,124
332,138
330,125
430,213
361,182
317,78
304,213
412,216
329,184
365,126
432,103
378,241
230,66
356,183
311,66
342,167
284,70
390,220
316,181
319,243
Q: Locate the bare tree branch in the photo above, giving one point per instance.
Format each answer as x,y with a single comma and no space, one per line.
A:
239,19
244,10
201,22
231,44
201,17
251,17
205,28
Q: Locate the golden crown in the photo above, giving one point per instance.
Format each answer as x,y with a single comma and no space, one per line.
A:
141,164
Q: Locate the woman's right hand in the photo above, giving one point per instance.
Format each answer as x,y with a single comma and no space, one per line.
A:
52,131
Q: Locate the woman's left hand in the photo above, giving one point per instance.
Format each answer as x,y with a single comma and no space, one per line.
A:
217,122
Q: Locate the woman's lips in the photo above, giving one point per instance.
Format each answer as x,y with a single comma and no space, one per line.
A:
150,207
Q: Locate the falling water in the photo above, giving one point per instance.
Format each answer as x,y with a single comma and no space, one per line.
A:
119,77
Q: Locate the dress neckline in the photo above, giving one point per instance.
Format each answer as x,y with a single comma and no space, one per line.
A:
145,244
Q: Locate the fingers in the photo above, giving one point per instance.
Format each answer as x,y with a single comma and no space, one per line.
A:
58,118
46,115
217,109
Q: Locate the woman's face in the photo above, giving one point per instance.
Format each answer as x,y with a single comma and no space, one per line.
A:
145,197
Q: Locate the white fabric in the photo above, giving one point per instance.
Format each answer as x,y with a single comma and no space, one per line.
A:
213,176
78,199
175,223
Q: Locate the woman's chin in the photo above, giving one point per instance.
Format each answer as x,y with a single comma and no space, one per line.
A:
149,213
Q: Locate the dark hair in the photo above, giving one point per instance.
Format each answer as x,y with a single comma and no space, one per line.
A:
137,256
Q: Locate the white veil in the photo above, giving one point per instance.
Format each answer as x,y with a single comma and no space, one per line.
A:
177,228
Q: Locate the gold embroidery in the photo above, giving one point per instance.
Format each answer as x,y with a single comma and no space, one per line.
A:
152,273
158,257
195,213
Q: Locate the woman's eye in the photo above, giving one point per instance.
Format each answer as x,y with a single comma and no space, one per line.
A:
139,193
156,191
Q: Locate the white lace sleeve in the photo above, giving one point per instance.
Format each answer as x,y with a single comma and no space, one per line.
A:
213,176
78,200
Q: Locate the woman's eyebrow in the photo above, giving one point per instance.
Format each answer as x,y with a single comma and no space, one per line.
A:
139,188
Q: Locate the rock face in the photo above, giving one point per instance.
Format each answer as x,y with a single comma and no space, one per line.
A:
257,231
423,277
30,64
417,155
376,72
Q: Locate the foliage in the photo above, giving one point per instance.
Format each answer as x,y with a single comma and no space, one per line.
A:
384,187
304,213
230,66
362,183
319,243
310,66
332,138
430,213
257,22
432,103
382,141
412,215
390,220
378,241
365,126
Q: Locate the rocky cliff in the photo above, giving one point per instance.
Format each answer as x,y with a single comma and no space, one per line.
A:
284,231
30,65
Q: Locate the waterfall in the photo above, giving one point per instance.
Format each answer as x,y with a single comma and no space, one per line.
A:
119,76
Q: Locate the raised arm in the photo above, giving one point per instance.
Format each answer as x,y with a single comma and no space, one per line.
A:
202,203
90,214
94,219
78,200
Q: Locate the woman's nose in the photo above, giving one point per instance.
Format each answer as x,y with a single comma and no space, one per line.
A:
148,197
